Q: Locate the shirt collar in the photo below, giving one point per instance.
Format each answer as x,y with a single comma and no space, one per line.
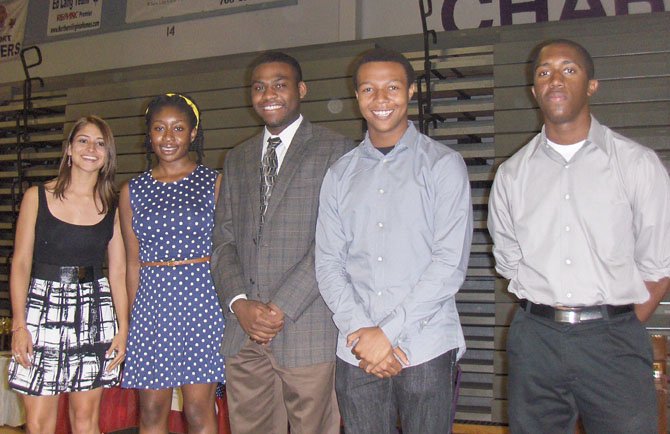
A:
286,135
595,136
407,141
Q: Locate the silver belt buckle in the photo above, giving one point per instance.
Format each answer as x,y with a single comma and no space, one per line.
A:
576,315
69,275
567,315
591,314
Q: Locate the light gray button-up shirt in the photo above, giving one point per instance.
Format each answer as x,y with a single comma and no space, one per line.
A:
582,233
393,242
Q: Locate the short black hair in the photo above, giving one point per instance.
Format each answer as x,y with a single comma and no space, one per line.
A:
181,103
583,52
278,56
384,55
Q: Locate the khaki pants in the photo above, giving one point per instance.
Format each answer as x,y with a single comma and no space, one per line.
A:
265,398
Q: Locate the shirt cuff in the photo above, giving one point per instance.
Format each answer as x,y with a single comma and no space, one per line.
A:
237,297
654,275
392,327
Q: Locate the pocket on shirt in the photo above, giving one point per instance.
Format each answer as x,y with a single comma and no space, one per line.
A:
611,231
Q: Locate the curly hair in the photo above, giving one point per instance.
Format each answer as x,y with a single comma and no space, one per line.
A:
384,55
279,57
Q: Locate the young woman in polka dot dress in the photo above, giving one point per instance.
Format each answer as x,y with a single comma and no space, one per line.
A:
167,216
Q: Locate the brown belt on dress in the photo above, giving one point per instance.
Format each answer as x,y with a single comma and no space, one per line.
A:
176,263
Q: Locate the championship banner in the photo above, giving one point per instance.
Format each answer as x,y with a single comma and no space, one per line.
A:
12,26
147,10
71,16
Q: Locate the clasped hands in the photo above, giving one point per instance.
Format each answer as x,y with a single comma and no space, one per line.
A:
376,354
261,321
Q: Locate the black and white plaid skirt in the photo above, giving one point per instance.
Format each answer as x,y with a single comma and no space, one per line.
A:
72,326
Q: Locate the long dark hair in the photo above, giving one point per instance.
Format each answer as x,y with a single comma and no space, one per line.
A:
104,186
184,104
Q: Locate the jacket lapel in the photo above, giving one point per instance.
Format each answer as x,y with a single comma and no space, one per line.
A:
292,162
252,178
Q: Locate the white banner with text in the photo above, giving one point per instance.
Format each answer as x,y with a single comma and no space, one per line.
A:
146,10
12,27
72,16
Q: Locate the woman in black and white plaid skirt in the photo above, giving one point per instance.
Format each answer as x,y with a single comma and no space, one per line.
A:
70,324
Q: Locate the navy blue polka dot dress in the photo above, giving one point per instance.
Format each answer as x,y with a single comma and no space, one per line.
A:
176,322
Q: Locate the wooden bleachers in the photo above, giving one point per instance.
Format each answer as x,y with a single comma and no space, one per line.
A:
39,138
462,104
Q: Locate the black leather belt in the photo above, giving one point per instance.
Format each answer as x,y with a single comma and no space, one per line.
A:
67,274
575,315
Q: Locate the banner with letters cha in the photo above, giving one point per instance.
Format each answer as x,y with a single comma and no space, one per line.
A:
147,10
471,14
12,27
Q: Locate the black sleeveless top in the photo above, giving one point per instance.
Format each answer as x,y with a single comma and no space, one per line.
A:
65,244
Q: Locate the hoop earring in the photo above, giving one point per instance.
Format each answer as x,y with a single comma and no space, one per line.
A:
69,161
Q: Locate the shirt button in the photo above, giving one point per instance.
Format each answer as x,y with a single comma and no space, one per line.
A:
567,197
569,295
379,293
567,229
380,224
381,191
568,262
379,259
567,166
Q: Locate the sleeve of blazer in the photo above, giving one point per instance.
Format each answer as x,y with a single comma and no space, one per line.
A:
226,267
299,289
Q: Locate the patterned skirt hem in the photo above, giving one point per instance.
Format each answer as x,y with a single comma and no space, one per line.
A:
28,392
71,327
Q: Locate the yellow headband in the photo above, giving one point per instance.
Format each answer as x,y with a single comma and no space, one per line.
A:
190,103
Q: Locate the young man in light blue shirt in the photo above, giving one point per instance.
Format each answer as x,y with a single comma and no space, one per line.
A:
392,247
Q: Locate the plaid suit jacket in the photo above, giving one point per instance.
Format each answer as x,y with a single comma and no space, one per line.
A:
280,266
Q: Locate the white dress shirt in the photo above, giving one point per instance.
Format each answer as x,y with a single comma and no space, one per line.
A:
586,232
